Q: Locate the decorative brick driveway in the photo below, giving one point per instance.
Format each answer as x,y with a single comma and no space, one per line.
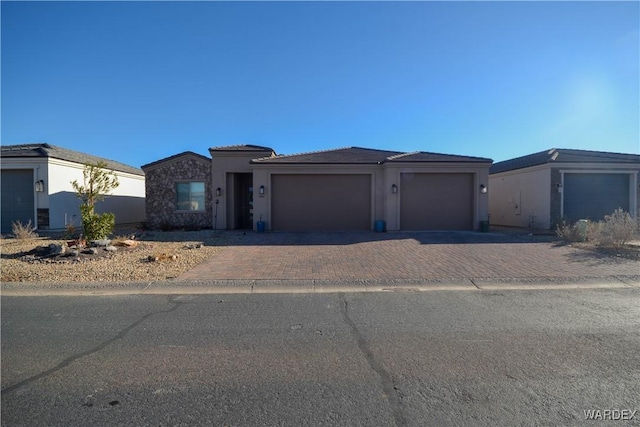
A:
402,256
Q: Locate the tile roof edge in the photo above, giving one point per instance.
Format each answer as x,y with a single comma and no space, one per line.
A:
281,156
236,146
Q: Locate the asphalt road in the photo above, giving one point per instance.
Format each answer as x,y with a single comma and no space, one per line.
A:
438,358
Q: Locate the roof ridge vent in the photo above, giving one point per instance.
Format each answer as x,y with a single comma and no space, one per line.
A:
397,156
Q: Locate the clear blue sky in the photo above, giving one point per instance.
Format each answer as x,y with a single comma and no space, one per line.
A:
139,81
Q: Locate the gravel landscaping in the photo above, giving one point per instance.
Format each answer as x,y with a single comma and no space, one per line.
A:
156,256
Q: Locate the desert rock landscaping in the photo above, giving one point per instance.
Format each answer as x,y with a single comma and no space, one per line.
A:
149,256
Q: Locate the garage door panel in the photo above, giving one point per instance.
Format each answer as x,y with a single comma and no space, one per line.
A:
17,197
321,202
432,201
594,195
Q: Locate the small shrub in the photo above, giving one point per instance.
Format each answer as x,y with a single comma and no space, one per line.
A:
618,229
96,226
23,231
577,232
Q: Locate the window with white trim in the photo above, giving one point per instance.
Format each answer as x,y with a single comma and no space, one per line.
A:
190,196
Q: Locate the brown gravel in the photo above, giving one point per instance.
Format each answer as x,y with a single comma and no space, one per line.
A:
21,263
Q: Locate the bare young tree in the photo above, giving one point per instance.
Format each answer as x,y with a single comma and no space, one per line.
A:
98,182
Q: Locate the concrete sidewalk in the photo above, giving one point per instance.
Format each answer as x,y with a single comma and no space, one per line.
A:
376,262
312,286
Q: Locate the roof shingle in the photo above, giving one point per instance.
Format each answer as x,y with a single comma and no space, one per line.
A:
52,151
347,155
359,155
241,147
423,156
563,155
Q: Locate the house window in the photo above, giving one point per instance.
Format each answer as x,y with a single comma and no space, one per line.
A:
190,196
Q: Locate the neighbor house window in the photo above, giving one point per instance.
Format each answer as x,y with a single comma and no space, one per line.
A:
190,196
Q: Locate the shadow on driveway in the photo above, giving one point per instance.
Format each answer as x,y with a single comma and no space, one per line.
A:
337,238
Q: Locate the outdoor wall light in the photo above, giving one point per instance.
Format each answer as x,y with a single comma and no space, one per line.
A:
218,191
483,189
394,188
261,190
559,187
39,186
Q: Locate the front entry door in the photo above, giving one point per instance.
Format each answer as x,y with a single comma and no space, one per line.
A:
244,200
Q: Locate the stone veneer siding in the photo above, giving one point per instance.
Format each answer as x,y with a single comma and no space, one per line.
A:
160,184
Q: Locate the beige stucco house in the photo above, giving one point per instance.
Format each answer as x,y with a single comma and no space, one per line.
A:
541,189
342,189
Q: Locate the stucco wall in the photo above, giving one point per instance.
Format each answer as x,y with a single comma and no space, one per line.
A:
223,165
521,198
385,204
262,176
58,199
126,201
161,196
392,174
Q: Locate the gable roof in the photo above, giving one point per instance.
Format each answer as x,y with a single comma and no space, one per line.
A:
359,155
175,156
55,152
563,155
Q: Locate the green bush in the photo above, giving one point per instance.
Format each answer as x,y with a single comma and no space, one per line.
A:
96,226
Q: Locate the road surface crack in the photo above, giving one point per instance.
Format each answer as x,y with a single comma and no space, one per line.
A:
389,389
69,360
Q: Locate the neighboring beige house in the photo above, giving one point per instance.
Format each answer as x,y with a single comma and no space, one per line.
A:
36,187
342,189
542,189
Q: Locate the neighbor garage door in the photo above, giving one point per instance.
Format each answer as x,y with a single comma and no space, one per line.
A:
436,201
320,202
594,195
17,197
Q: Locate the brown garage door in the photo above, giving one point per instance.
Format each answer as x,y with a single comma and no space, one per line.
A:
436,201
320,202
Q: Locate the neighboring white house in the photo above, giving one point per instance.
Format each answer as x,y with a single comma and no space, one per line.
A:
36,187
541,189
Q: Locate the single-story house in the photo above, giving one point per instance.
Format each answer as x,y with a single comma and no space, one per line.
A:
341,189
36,187
542,189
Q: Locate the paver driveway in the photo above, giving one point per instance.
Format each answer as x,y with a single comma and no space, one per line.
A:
402,256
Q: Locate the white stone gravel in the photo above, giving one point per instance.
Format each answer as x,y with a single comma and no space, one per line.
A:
124,265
